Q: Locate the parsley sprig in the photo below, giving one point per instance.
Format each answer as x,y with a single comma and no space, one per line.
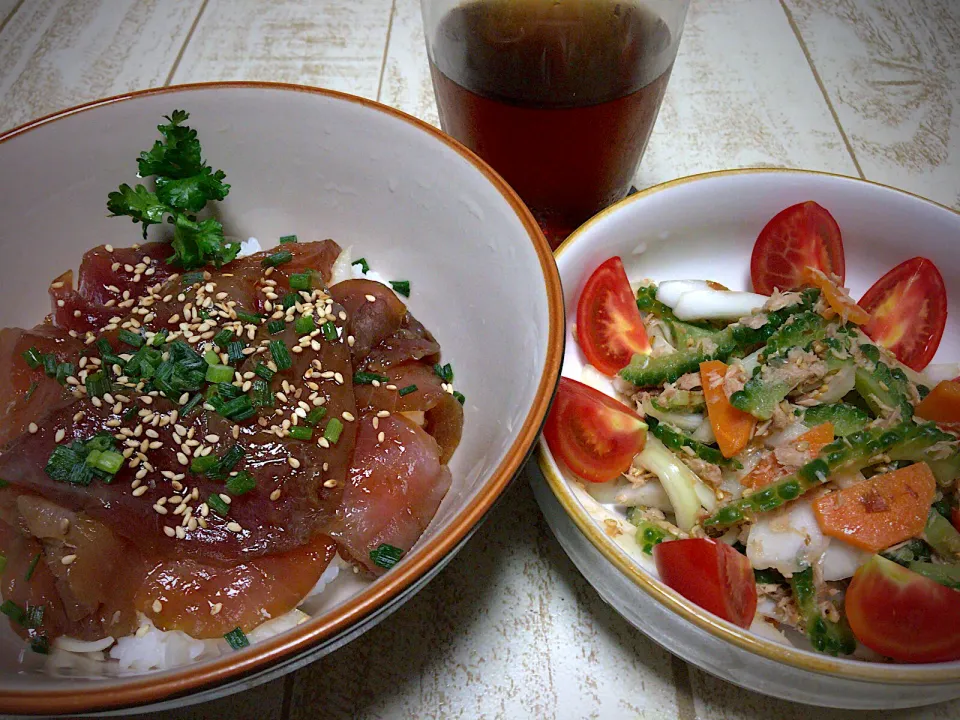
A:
184,185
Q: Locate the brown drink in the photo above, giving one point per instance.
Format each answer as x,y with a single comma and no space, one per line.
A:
559,98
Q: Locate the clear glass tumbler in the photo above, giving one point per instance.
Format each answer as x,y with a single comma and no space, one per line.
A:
559,96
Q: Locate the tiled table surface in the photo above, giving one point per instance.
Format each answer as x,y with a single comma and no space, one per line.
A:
869,88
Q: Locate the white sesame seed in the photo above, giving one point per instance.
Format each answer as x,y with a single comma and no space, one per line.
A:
383,413
169,531
294,463
380,436
275,495
226,498
331,483
348,416
157,606
234,527
61,434
142,630
32,427
140,491
68,559
216,608
182,459
181,533
323,442
371,298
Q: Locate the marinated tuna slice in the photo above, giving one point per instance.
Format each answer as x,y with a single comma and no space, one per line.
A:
422,392
28,394
207,601
108,278
374,313
74,568
395,487
412,341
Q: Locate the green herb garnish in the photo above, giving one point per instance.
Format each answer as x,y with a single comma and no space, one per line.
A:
276,326
284,239
301,281
329,330
401,287
315,415
332,432
242,482
298,432
407,390
236,639
364,265
31,567
215,503
368,378
305,325
444,372
281,356
386,556
276,259
33,357
461,398
130,338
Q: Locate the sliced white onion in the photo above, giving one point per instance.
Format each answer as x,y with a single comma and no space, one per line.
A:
589,375
841,560
786,436
687,422
717,305
838,385
82,646
669,291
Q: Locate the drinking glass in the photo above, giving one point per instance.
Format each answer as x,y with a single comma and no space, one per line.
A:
559,96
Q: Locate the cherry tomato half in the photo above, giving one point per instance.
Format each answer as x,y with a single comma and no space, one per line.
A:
593,434
908,311
803,235
712,574
903,615
609,327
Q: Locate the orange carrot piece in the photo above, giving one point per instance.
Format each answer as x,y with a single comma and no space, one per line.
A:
768,469
733,428
837,297
879,512
942,405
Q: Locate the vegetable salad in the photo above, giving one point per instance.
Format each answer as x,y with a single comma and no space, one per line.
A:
786,457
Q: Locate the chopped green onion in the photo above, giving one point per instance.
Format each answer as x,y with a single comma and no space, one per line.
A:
50,365
204,314
461,398
301,281
212,357
401,287
281,356
3,564
223,337
238,409
262,395
109,461
130,413
40,645
227,391
364,265
298,432
315,415
111,360
277,258
329,330
386,556
65,370
104,346
333,430
30,390
264,372
217,505
289,300
190,405
230,459
236,639
242,482
33,357
248,317
130,338
191,278
219,373
368,378
97,384
445,372
14,612
276,326
304,325
407,390
31,567
160,337
203,464
235,351
33,618
67,464
284,239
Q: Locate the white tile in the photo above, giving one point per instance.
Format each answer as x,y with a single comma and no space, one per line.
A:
892,71
335,44
58,53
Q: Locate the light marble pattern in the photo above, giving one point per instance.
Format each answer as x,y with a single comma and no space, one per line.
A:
510,628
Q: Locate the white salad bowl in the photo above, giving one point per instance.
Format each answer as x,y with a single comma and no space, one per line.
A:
705,227
320,165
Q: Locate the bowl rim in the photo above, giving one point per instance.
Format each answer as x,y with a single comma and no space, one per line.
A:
936,673
156,686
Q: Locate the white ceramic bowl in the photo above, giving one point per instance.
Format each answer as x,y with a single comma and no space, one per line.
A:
318,164
705,227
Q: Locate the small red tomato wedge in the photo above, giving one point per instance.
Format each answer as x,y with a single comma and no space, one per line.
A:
609,327
903,615
712,574
804,235
908,311
593,434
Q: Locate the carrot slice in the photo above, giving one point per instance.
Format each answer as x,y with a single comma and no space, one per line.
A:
942,405
879,512
768,469
733,428
837,297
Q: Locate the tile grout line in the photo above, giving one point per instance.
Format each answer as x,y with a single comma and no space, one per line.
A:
686,705
186,41
386,49
823,89
9,17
